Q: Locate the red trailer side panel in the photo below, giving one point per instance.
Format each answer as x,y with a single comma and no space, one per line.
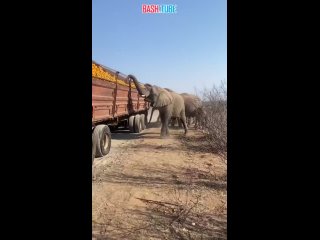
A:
102,99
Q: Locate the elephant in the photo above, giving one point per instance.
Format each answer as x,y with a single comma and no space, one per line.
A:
169,104
193,106
194,110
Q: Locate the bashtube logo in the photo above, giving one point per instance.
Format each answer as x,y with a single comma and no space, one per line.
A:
159,8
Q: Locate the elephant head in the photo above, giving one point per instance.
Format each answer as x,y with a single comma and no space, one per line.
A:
159,97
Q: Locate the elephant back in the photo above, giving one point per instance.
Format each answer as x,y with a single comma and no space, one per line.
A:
178,104
192,104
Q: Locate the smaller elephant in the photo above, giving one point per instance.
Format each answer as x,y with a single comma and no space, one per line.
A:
194,108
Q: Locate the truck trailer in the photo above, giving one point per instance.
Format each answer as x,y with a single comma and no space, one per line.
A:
115,103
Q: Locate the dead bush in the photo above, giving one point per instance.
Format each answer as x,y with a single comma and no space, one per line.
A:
215,118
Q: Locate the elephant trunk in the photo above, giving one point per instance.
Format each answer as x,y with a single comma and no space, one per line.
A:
139,88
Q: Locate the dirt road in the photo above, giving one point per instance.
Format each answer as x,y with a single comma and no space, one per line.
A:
152,188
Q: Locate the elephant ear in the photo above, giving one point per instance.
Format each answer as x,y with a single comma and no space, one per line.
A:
165,98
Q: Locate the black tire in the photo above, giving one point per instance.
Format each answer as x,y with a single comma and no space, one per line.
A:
102,140
131,123
93,148
114,128
95,142
137,124
143,123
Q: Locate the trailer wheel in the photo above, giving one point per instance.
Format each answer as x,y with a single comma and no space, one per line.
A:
102,140
113,128
93,156
137,124
131,123
94,144
142,119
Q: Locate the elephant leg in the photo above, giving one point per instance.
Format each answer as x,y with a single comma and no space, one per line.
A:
166,124
163,124
184,122
173,122
167,117
164,128
196,123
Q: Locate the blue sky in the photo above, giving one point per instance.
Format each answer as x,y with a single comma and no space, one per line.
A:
179,51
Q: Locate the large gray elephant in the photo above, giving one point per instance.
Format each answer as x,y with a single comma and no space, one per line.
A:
169,104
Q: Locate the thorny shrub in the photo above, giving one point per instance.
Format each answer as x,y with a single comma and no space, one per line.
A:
214,122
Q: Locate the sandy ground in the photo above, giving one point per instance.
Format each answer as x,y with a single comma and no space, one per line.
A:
153,188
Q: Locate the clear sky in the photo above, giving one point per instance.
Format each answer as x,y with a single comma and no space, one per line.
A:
178,51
